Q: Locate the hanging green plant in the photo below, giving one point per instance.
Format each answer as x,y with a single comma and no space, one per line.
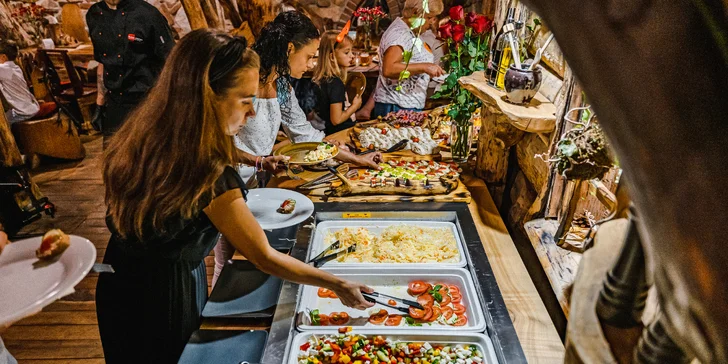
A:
583,152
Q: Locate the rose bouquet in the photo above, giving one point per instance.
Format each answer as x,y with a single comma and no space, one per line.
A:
466,38
368,17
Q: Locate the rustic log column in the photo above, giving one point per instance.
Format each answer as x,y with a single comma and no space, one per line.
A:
504,125
657,347
208,10
196,17
622,299
232,13
8,148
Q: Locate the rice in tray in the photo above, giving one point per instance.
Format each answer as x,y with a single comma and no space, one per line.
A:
398,244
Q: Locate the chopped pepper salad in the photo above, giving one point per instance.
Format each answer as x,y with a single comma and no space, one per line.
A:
351,348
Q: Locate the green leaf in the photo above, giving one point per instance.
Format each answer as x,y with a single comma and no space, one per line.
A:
405,74
479,66
417,42
417,22
453,113
472,50
411,322
406,56
315,319
536,21
426,6
437,296
399,88
471,65
461,99
567,148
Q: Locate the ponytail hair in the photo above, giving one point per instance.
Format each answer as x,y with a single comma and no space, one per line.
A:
272,47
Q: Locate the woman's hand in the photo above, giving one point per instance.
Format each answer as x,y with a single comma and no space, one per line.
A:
350,295
275,162
356,103
370,160
434,70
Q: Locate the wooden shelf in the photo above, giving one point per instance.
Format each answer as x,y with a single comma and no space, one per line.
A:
560,265
537,117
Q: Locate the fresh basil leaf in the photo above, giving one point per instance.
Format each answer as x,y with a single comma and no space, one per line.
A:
437,296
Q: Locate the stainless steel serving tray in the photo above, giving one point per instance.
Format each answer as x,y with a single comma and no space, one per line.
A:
394,281
481,341
318,242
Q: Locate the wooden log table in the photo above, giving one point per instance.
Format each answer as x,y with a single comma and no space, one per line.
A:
504,125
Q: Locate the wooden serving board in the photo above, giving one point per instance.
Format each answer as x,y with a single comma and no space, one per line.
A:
407,155
460,194
361,191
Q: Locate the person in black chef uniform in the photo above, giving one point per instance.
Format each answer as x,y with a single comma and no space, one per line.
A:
131,40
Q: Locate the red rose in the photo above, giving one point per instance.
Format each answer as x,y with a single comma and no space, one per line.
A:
445,30
482,25
470,18
456,13
458,33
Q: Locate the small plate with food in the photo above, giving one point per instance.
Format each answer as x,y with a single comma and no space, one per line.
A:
308,153
276,208
37,271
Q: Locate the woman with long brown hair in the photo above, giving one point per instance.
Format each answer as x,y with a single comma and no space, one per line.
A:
170,191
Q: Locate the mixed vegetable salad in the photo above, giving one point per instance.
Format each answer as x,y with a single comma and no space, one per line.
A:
350,348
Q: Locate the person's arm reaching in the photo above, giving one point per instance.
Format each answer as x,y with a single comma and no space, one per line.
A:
339,116
393,64
231,216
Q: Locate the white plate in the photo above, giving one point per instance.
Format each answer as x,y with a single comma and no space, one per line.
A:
28,284
264,204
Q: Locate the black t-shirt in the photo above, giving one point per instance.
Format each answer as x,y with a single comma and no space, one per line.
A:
331,91
132,42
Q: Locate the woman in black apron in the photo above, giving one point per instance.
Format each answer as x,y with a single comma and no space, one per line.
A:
170,191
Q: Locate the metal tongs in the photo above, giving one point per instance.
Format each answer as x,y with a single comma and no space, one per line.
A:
321,259
373,297
397,147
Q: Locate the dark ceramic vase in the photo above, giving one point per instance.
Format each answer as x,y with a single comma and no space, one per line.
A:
521,85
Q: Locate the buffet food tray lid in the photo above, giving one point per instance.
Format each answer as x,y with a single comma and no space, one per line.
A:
450,338
318,241
397,279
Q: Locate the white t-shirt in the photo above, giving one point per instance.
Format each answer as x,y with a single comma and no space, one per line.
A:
414,90
15,90
258,135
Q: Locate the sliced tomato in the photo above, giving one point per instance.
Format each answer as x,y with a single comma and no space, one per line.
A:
445,300
426,300
417,287
393,320
324,293
456,297
416,313
378,318
446,311
324,319
333,295
453,288
436,313
458,309
339,318
428,314
392,302
461,321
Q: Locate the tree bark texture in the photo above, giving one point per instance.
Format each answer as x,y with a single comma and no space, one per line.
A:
633,60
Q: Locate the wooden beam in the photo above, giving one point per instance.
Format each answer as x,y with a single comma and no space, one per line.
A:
196,17
257,13
232,13
8,148
208,9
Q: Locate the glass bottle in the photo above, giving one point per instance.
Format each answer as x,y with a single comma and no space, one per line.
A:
496,52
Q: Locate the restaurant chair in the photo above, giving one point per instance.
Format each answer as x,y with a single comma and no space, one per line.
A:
224,347
48,135
67,87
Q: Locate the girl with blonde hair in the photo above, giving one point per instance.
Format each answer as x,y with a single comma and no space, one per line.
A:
335,55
